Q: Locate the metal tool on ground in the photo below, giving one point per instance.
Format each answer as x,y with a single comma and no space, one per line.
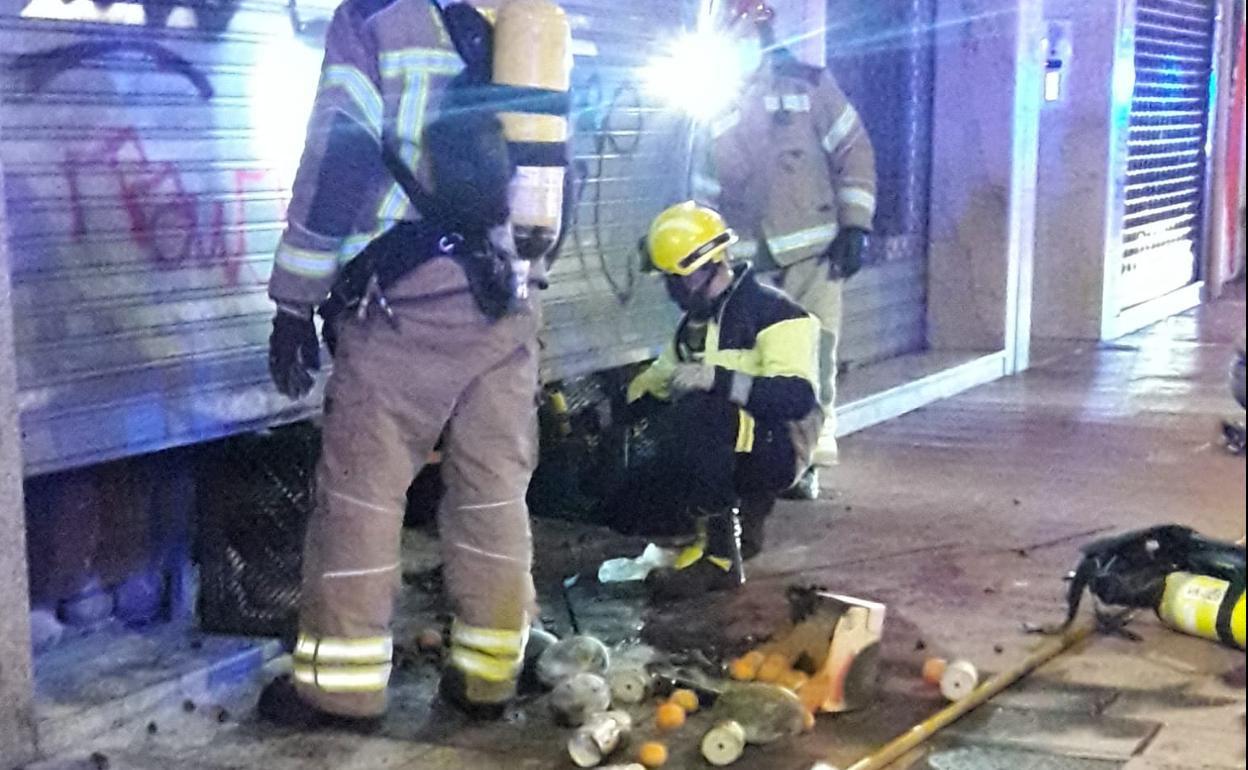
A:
919,734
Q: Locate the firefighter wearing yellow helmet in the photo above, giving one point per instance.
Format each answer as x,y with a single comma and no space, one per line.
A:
736,393
792,168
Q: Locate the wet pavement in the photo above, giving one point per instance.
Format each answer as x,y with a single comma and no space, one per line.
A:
961,517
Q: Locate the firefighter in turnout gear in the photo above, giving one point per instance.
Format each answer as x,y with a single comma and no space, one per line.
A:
792,169
422,350
736,389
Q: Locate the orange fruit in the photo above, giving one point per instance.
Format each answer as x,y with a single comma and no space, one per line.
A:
745,668
815,692
670,716
933,670
773,669
793,680
686,699
652,754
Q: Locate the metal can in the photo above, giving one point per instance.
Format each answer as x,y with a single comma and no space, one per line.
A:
599,738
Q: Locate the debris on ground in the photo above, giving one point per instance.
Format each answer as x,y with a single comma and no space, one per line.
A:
626,570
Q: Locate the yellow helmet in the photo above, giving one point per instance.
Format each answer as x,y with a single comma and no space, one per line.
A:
687,236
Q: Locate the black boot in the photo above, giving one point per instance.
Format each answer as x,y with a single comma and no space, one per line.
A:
476,699
280,704
719,567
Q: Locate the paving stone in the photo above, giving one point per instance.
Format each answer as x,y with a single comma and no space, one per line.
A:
983,758
1185,746
1063,733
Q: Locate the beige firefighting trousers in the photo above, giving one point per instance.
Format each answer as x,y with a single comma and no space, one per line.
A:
388,399
807,282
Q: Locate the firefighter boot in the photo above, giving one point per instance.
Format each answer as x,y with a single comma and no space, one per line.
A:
713,563
476,698
280,704
755,509
806,488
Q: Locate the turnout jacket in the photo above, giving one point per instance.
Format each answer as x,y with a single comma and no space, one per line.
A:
765,350
387,63
788,165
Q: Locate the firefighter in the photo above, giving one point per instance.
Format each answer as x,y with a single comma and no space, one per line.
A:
742,418
434,355
792,169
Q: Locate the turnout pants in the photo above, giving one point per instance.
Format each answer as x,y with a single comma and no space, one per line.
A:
807,282
392,392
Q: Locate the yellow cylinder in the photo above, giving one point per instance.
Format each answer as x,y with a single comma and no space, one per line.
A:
533,49
1194,604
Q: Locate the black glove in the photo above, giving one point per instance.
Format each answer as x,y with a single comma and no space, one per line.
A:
294,352
844,255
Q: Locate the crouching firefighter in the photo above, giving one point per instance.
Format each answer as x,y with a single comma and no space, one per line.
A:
739,380
433,327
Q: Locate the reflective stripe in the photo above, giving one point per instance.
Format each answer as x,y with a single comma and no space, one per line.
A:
361,90
350,573
414,66
841,129
796,102
308,263
361,503
745,249
802,238
500,642
771,103
337,650
719,561
483,666
343,678
856,196
725,124
435,61
489,554
690,555
488,506
745,431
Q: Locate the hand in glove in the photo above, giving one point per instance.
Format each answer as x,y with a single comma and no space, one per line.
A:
692,378
294,351
844,255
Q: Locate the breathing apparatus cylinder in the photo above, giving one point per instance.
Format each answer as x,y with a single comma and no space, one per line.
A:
1204,606
533,50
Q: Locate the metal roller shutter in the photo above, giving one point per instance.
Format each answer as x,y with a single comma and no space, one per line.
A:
1165,180
147,166
881,53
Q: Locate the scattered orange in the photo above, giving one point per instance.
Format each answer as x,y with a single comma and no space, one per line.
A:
652,754
793,680
815,692
933,670
670,716
686,699
745,668
773,669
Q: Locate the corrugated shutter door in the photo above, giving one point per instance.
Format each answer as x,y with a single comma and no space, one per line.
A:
881,53
632,155
1166,157
147,168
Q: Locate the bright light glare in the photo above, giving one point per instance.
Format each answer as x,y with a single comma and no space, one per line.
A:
701,73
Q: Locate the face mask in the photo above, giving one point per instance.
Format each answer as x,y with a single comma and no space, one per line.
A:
693,301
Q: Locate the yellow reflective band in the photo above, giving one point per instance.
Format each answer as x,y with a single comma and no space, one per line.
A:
343,678
432,61
331,650
307,263
724,564
1191,603
484,666
840,130
802,238
361,90
691,553
856,196
493,641
745,431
